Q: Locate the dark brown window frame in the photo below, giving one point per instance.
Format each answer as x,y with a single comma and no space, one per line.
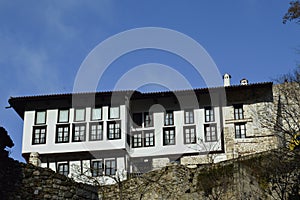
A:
164,136
134,142
185,134
99,170
111,169
73,132
189,117
238,111
66,173
90,131
34,134
149,131
56,133
108,129
209,113
210,132
239,135
167,121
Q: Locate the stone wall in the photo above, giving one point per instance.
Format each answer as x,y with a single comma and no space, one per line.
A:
257,176
25,181
258,137
242,178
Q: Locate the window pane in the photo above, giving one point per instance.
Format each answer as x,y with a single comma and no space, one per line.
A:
210,132
97,168
110,166
240,130
209,115
96,131
114,113
114,130
148,119
189,117
169,118
238,112
169,136
40,117
137,139
193,136
79,132
63,116
190,135
63,169
149,139
39,135
62,134
96,113
79,114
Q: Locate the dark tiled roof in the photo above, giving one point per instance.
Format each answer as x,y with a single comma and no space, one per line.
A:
20,103
124,92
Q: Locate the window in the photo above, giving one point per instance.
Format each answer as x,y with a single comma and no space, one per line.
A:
148,119
149,138
189,134
189,117
96,114
97,168
63,116
143,139
137,139
114,130
240,130
39,135
210,131
238,112
79,115
110,167
137,120
142,118
62,133
40,117
78,132
114,112
209,114
169,136
63,168
169,118
96,131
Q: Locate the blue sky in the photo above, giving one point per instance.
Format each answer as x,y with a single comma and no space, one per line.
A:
43,43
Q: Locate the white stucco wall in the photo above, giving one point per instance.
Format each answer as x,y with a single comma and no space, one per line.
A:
179,147
52,147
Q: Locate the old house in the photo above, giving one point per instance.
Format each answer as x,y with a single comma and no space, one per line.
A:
134,132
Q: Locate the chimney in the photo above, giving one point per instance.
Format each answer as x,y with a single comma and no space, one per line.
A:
244,81
226,78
